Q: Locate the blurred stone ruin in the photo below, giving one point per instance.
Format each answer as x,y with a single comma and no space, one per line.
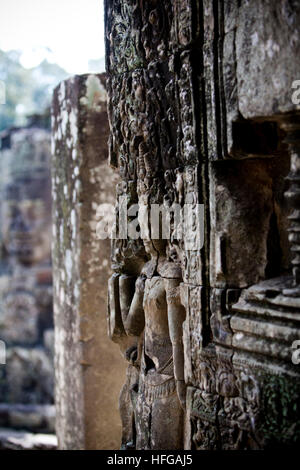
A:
26,312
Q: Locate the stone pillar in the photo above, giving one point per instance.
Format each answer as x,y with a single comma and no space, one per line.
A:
86,389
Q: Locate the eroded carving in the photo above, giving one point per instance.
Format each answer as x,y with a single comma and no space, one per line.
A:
178,136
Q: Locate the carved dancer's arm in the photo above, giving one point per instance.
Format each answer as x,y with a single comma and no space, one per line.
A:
176,316
115,325
134,317
126,293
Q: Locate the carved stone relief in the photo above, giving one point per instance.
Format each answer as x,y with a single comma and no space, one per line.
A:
206,330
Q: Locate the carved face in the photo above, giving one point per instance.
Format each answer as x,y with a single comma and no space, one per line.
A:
152,245
26,217
155,246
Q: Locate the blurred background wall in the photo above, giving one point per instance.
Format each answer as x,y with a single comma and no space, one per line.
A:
26,313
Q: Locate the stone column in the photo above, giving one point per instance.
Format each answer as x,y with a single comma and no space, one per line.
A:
86,390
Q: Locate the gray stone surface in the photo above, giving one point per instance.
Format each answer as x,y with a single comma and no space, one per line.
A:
267,52
245,216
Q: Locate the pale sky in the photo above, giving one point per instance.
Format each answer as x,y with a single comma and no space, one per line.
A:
72,29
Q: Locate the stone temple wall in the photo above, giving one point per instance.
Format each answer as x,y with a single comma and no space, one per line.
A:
89,371
26,316
201,112
204,114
